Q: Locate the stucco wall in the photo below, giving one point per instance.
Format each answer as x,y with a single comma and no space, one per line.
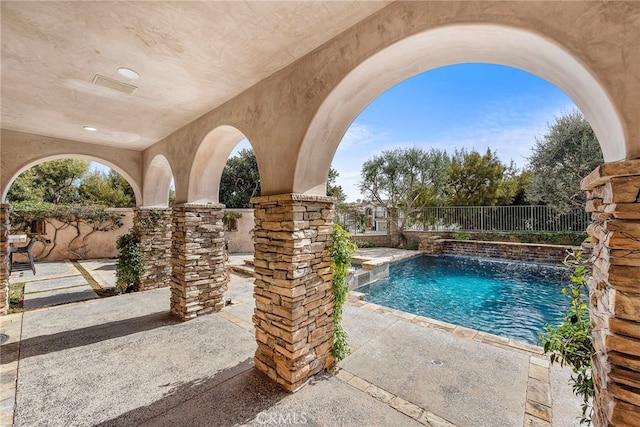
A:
99,244
241,241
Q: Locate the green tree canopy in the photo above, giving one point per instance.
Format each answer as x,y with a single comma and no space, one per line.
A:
480,180
568,152
333,189
55,181
405,180
69,181
108,189
240,180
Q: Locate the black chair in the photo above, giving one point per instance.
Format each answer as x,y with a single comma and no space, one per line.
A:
23,250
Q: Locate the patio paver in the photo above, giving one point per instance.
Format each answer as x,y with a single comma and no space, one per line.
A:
77,359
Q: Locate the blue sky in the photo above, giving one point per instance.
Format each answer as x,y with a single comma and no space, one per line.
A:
474,106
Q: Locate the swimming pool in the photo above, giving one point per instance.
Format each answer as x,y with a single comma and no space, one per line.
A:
512,299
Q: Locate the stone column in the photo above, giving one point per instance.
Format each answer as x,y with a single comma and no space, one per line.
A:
613,192
199,273
154,230
293,289
5,210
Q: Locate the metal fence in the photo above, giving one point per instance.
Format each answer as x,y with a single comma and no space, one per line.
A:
357,223
474,218
499,218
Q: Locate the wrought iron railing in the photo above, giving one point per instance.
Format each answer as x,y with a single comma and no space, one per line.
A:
474,218
498,218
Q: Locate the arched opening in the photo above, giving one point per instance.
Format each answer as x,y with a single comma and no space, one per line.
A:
449,46
209,163
134,186
157,182
68,207
443,46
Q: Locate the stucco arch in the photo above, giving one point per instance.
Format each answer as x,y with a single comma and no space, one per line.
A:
209,161
450,45
157,182
125,175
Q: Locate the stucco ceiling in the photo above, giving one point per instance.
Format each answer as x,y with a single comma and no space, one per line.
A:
191,56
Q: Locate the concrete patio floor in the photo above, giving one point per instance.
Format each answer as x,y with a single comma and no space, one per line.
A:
122,361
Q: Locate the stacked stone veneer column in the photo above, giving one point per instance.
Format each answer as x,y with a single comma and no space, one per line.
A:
293,290
199,272
613,191
154,225
5,210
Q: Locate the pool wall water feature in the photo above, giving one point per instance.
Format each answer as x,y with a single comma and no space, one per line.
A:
549,254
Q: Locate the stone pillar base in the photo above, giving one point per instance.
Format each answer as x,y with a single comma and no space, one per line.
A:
613,192
293,286
199,274
154,225
5,210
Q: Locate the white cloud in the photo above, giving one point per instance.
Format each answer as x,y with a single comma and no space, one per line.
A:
358,136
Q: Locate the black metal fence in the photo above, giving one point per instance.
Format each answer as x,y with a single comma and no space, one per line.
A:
499,218
474,218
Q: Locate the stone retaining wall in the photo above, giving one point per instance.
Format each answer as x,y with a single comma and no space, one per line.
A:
155,243
4,258
199,274
377,240
293,286
613,192
553,254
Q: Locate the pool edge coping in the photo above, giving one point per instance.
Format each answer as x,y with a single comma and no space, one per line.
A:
537,411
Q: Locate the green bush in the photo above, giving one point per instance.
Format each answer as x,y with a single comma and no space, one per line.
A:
130,265
410,246
570,342
364,244
341,252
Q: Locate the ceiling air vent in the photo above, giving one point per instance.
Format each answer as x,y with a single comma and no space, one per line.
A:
114,84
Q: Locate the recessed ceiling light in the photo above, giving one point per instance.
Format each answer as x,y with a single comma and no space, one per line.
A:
90,128
128,73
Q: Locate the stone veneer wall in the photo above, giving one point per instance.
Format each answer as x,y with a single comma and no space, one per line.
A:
378,240
519,251
5,210
613,192
155,244
199,274
293,289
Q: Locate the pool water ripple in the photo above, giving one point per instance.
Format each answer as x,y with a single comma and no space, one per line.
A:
508,298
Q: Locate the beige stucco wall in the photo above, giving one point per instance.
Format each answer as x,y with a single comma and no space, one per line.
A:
296,117
99,244
241,241
586,48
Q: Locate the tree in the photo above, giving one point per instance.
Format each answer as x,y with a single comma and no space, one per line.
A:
108,189
404,181
55,181
240,180
568,152
333,189
480,180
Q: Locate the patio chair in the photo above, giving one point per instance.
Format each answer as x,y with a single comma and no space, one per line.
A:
23,250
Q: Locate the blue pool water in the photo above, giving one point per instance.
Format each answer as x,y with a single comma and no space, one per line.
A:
507,298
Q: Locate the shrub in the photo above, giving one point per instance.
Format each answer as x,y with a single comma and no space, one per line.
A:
341,252
570,342
130,265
